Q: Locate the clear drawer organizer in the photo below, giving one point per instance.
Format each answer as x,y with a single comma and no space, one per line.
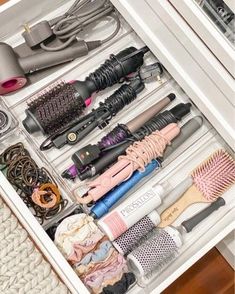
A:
199,146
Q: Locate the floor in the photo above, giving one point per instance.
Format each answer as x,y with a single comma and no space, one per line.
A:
210,275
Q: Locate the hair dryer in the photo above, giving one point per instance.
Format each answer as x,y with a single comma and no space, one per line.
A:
14,68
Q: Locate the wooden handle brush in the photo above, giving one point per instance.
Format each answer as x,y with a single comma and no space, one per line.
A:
210,180
161,246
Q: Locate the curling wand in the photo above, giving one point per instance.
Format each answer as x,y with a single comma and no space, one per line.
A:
105,203
57,106
158,122
101,116
90,153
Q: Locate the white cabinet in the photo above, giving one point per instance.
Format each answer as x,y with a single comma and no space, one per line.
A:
193,73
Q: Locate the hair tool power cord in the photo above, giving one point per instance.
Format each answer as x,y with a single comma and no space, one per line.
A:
81,14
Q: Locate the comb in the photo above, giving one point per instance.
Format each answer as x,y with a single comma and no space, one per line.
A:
210,180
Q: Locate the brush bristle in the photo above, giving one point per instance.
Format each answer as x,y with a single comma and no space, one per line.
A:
56,107
215,175
154,253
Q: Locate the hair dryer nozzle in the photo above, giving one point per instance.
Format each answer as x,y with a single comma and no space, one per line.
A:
11,74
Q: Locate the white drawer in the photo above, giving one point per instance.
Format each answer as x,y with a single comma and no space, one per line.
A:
192,79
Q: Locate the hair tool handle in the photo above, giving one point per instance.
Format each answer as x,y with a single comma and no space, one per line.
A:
112,71
191,196
89,153
98,117
123,169
105,203
47,59
196,219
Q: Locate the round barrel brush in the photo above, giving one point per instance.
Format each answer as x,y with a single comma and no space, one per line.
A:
59,105
210,179
161,246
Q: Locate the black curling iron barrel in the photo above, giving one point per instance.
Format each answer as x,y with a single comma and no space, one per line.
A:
14,68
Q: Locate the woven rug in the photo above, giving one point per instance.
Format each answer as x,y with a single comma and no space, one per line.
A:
23,268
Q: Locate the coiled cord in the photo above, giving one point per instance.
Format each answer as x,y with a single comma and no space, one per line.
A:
105,76
156,123
137,156
117,101
142,152
117,67
117,135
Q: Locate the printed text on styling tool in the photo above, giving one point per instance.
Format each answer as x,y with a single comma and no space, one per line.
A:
128,240
105,203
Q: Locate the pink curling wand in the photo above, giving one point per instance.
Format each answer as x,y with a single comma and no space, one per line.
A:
137,157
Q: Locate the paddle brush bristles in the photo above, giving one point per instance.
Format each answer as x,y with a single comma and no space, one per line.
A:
215,175
56,107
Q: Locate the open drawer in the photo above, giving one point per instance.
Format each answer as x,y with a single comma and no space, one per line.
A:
191,153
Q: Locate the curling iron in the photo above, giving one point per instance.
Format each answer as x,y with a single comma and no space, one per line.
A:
137,157
90,153
105,203
156,123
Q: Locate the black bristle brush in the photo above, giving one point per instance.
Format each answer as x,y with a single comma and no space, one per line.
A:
60,104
